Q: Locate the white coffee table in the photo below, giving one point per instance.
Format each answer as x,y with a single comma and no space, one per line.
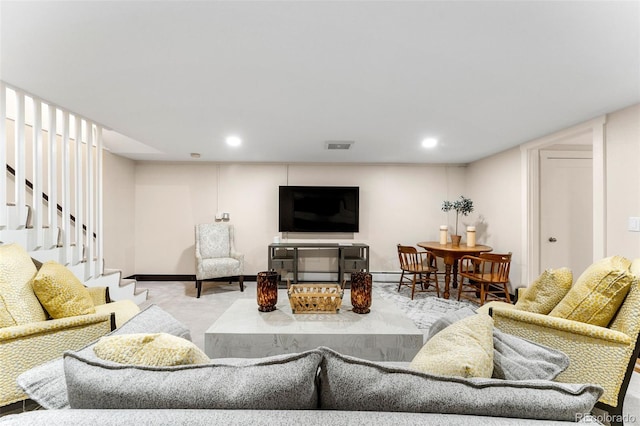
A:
385,334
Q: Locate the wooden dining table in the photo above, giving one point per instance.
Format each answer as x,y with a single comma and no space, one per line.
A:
450,255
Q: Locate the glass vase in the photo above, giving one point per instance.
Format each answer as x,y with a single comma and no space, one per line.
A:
267,291
361,288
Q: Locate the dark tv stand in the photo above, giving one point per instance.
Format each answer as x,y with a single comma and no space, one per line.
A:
351,257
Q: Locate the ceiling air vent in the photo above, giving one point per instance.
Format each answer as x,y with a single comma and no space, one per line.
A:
342,145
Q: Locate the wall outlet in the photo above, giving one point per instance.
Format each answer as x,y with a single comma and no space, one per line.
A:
634,224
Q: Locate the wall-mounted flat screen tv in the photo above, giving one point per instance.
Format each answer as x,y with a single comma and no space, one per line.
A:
319,209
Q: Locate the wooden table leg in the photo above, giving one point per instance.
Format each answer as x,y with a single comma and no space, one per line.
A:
447,279
455,274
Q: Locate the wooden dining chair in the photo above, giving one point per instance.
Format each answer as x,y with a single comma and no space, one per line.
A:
485,276
417,266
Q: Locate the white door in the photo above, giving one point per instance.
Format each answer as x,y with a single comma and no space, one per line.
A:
566,210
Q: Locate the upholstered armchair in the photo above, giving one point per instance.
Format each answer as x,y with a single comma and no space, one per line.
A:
603,355
29,336
216,256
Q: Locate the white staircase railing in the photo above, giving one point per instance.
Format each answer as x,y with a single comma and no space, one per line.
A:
58,155
45,131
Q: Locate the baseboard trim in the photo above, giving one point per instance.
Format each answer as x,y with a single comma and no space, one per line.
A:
377,276
160,277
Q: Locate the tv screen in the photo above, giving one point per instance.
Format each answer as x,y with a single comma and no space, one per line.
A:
318,209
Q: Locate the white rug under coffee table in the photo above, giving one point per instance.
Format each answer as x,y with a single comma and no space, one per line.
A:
384,334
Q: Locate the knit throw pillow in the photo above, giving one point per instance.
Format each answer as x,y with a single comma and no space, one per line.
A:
61,292
546,291
463,349
597,293
18,303
155,349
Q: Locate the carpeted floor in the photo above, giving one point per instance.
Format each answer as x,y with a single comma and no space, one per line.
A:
179,299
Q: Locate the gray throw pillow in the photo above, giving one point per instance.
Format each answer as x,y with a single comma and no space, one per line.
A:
348,383
282,382
514,358
45,384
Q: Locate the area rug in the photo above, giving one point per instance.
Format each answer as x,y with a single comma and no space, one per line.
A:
424,309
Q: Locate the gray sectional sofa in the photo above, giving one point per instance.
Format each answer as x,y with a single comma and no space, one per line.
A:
316,387
257,418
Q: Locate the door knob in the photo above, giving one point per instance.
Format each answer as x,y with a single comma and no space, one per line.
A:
552,239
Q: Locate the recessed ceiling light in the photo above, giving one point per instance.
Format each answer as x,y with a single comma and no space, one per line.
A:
429,142
234,141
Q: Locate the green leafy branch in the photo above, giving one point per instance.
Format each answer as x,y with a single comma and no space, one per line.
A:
463,207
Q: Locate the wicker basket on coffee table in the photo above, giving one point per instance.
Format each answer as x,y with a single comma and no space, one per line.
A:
315,298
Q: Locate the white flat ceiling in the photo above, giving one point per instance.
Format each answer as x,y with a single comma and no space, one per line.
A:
175,77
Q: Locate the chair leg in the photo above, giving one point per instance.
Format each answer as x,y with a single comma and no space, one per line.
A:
428,280
401,279
241,280
506,294
199,287
413,286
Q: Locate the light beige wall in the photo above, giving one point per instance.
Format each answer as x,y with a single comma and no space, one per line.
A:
494,185
398,204
119,213
623,180
249,193
169,200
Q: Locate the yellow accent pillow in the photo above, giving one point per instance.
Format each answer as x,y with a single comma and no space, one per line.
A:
18,304
465,348
597,293
60,292
157,350
546,291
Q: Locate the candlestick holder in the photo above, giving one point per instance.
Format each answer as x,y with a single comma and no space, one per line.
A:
471,236
443,234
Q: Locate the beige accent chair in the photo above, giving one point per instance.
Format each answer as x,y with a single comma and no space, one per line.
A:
216,256
604,356
27,337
